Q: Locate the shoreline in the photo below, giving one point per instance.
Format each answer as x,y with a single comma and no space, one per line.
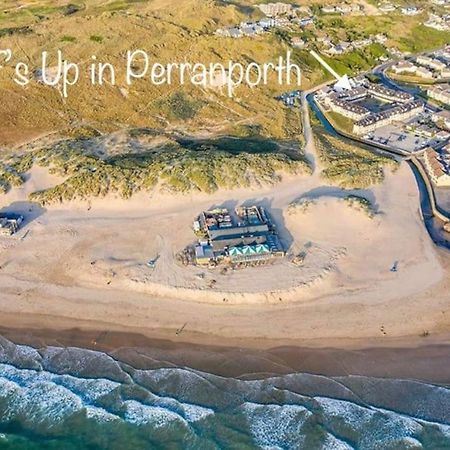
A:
420,359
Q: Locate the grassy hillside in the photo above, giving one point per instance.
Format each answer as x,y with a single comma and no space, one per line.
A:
139,160
168,31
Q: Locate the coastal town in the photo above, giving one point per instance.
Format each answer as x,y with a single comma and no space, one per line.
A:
234,233
388,115
303,25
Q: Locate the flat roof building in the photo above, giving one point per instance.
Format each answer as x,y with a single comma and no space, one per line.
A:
247,235
378,120
10,224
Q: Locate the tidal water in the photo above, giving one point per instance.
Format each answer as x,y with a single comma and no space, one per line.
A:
74,398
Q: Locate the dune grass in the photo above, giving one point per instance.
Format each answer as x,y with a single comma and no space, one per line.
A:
172,167
350,166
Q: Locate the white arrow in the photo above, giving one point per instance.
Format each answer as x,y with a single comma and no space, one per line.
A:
342,82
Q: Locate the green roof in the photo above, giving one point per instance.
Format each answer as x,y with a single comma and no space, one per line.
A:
243,250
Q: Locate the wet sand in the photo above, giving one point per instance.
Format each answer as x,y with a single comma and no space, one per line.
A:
422,358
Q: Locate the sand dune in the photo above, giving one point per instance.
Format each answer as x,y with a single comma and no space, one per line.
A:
77,254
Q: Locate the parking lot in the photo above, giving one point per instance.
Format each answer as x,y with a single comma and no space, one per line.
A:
400,138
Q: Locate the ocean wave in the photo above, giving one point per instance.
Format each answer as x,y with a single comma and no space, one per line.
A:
71,394
277,426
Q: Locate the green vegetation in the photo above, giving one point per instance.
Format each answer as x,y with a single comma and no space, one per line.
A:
361,204
67,38
340,122
14,30
373,78
358,60
409,78
9,177
423,38
180,106
302,205
348,165
96,38
172,167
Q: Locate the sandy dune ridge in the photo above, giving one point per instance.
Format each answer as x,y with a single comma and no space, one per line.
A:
85,264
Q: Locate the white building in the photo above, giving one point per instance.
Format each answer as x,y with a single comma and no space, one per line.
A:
410,11
404,67
437,169
440,94
431,63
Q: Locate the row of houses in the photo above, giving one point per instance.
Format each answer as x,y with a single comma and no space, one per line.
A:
389,7
398,113
249,29
440,93
348,109
280,15
442,119
384,93
386,8
275,9
348,103
252,29
343,103
410,10
408,68
437,165
432,63
343,9
427,67
344,47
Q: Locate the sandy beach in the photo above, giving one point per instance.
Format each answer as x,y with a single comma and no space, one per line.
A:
84,266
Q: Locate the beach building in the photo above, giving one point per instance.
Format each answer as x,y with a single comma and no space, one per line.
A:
248,235
10,224
204,254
